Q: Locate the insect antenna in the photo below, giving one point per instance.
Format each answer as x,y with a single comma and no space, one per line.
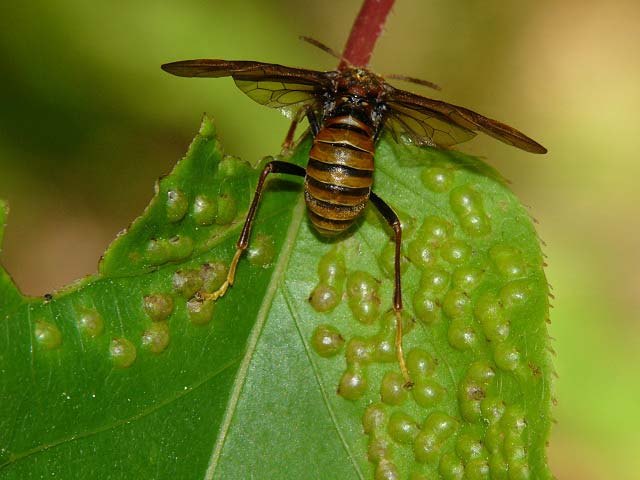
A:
322,46
419,81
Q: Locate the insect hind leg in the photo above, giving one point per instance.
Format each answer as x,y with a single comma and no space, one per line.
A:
243,240
394,222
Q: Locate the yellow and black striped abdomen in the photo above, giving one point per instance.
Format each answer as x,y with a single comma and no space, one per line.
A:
339,174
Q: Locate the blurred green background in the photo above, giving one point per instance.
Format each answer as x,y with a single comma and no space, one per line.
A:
88,121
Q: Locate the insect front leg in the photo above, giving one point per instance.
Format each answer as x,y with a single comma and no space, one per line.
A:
243,240
394,222
305,111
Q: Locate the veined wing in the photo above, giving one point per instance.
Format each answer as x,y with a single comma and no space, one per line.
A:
429,121
424,126
275,86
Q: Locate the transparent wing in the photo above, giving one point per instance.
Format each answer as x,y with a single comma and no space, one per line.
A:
275,86
424,127
444,124
289,98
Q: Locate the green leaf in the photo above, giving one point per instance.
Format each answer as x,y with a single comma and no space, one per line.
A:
292,374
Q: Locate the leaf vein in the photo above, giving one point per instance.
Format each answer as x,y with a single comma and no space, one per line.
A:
278,273
125,421
325,397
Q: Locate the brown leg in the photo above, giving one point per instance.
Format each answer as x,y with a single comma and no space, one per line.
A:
305,111
243,241
394,222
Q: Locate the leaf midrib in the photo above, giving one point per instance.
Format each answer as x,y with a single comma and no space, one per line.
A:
323,391
274,283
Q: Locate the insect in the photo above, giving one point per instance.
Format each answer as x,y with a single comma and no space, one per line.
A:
347,110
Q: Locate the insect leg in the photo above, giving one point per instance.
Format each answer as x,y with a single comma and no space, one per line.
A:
313,124
243,240
394,222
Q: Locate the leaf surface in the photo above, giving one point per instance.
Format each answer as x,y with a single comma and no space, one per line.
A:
292,374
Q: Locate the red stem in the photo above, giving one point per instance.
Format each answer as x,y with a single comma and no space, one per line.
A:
366,29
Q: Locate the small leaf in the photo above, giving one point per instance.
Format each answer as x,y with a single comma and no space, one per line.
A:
293,373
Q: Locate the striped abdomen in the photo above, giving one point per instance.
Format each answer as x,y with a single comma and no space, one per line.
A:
339,174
